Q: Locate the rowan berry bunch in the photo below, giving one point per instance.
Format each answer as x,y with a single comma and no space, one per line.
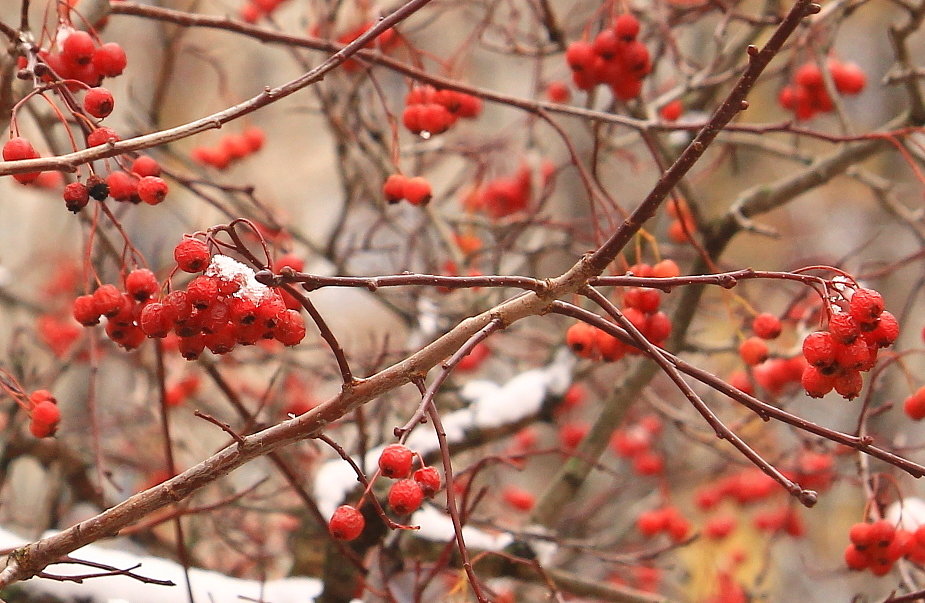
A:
877,546
44,414
407,493
231,148
429,111
641,307
503,196
664,520
837,356
808,96
615,58
415,191
635,443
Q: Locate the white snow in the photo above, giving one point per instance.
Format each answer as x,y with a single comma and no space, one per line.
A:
230,270
206,585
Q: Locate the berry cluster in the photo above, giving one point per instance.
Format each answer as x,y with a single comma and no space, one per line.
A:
634,443
44,414
667,519
754,350
837,357
807,95
407,494
432,111
79,58
415,191
230,149
640,307
502,196
218,310
253,10
384,41
877,546
615,58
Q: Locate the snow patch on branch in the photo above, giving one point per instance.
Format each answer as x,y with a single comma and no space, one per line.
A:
207,585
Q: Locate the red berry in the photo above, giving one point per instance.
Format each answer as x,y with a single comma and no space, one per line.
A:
861,535
16,149
658,327
518,498
665,269
46,412
254,137
819,349
202,292
141,284
558,92
395,461
718,528
145,165
107,300
156,320
290,328
650,523
848,77
816,383
269,310
191,347
101,135
429,480
766,326
855,559
99,102
914,405
648,463
76,196
882,533
848,384
645,300
866,306
109,59
626,27
347,523
886,331
191,255
753,351
394,188
78,47
581,338
152,189
85,311
808,75
843,328
579,56
122,186
672,111
405,496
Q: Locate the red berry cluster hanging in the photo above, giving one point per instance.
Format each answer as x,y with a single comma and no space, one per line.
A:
615,58
384,42
634,443
231,148
218,310
502,196
877,546
415,190
44,414
407,493
837,357
667,519
429,111
807,95
641,308
78,57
